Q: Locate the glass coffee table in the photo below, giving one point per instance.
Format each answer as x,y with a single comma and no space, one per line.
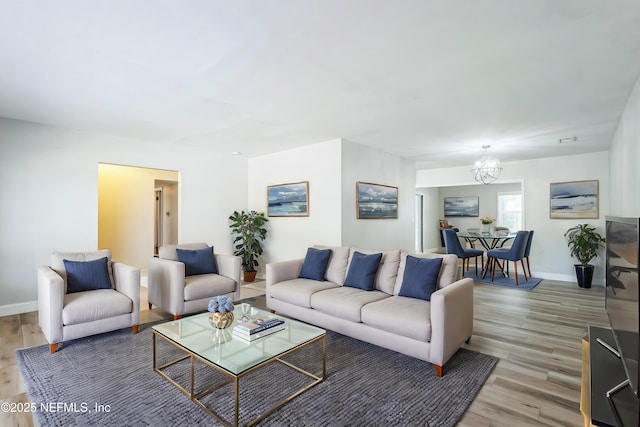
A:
234,357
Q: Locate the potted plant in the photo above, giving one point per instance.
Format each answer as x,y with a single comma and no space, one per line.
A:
248,227
584,242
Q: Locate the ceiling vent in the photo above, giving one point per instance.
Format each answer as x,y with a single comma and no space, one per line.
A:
567,140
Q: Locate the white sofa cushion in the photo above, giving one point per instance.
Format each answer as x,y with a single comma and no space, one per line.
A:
87,306
344,302
387,270
448,270
299,291
409,317
204,285
337,268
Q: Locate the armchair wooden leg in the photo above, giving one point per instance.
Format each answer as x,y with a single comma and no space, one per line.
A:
515,271
53,347
135,329
177,316
150,306
438,369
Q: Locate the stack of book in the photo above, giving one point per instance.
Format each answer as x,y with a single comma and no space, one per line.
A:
250,331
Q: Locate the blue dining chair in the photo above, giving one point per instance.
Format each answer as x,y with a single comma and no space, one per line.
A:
527,251
514,254
452,243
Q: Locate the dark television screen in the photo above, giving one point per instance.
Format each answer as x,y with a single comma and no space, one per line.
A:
622,285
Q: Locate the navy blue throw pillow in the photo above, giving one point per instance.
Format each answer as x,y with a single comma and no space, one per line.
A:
362,271
87,275
420,278
315,264
197,261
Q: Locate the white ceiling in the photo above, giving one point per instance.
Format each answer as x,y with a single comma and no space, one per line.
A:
430,80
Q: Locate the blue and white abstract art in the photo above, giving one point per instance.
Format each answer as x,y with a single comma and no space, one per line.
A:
288,199
376,201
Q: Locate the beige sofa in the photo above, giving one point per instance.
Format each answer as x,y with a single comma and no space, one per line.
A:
176,293
428,330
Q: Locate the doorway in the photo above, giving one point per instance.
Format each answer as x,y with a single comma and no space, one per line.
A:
166,214
128,213
419,216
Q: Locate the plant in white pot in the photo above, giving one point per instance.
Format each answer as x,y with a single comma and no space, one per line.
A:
584,242
248,227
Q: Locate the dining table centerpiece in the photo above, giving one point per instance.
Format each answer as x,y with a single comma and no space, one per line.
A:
486,223
220,312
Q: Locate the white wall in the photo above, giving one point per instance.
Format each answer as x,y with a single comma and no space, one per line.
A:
289,237
625,160
487,202
549,254
361,163
49,197
332,169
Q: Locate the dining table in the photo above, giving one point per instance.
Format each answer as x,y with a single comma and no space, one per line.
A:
488,240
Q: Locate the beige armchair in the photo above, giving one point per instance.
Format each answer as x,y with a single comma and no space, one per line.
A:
179,293
66,311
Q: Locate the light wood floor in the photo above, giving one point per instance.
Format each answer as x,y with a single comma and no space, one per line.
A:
536,334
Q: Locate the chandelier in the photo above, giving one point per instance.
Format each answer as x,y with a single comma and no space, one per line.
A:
487,168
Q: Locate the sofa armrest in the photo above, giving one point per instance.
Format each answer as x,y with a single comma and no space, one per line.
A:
451,319
166,285
284,270
230,266
127,282
50,304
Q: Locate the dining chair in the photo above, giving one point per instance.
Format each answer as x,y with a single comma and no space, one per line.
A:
527,251
514,254
444,225
453,246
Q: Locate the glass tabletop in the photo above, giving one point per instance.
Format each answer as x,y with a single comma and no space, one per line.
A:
221,347
487,235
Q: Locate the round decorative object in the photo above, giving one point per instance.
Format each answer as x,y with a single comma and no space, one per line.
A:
221,320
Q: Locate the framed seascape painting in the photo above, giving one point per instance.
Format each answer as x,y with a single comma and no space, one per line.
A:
376,201
574,199
288,199
462,206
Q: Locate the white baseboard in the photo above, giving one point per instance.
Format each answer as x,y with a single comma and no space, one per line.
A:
563,278
24,307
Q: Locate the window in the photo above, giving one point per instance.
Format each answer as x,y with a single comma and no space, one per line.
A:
510,210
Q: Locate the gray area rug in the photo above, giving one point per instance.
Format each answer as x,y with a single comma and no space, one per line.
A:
507,282
365,385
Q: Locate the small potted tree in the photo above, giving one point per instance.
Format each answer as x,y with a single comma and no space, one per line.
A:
584,242
248,227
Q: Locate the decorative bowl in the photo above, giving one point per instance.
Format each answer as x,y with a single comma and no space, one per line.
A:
221,320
